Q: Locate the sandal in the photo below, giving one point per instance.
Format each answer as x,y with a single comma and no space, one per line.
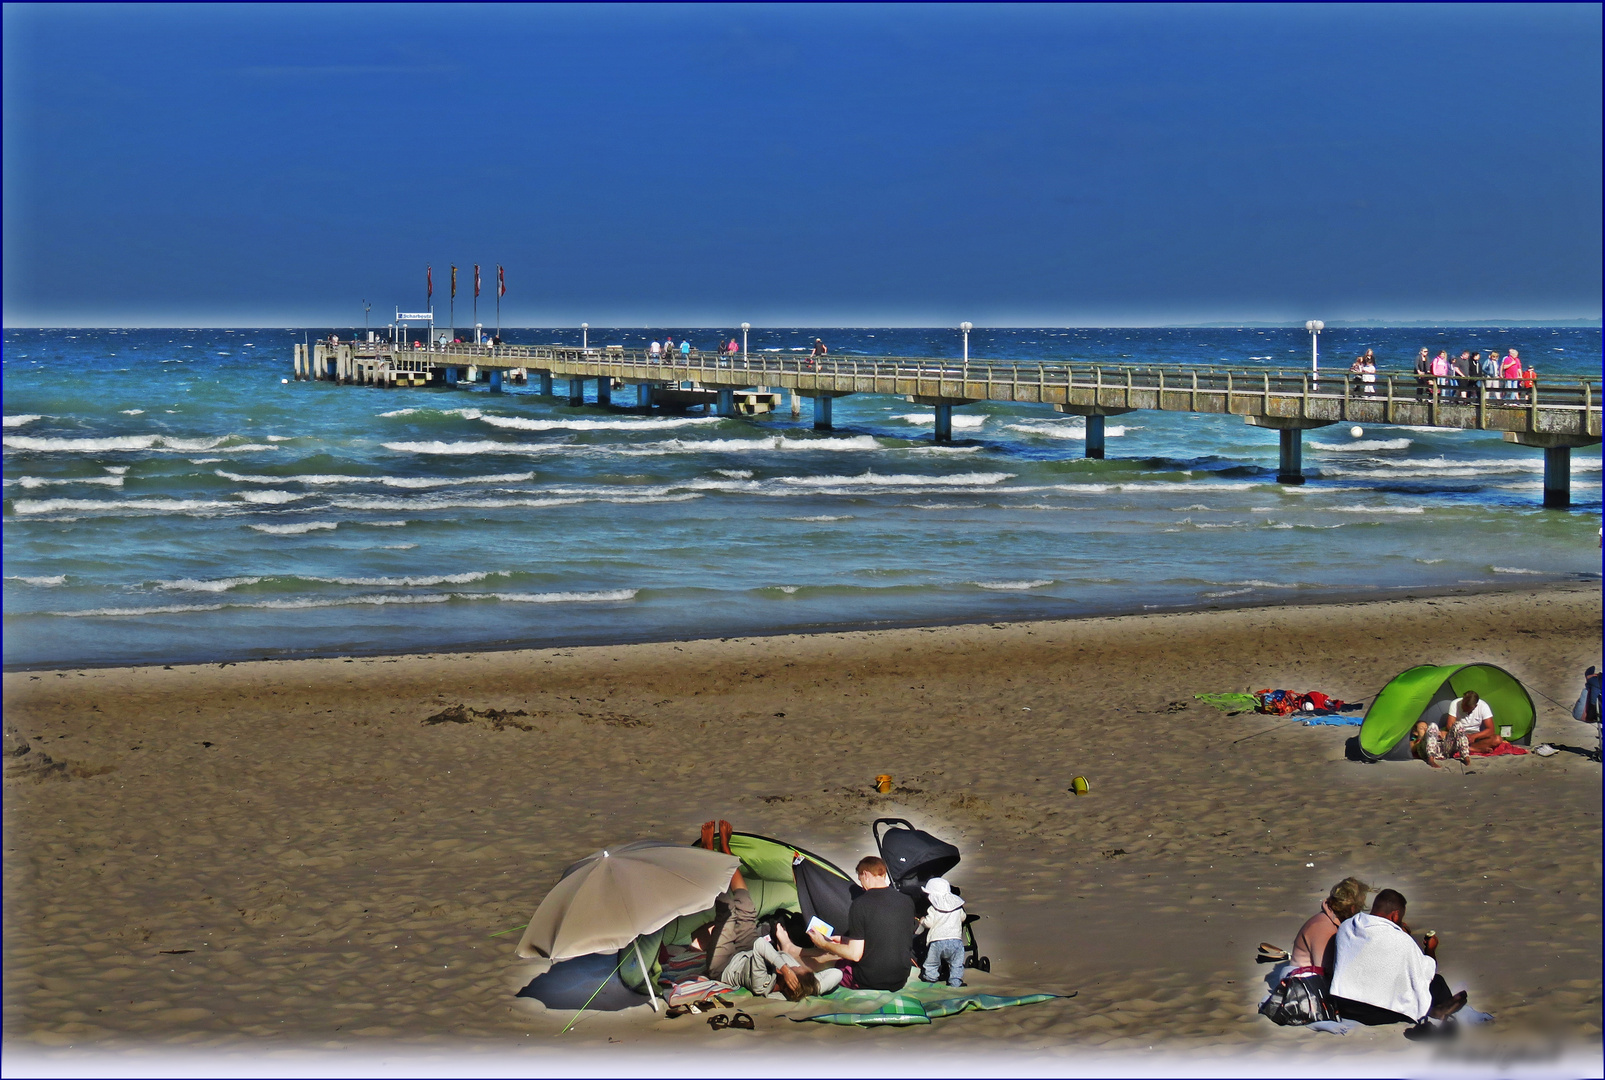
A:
718,1021
676,1011
742,1022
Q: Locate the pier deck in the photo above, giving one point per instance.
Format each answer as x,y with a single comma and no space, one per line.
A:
1553,414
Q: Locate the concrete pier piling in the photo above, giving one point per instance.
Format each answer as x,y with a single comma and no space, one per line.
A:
576,391
822,413
604,392
944,423
545,384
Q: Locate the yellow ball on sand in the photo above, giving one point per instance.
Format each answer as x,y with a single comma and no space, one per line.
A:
1356,431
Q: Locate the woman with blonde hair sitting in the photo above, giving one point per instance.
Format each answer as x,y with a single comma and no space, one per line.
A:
1313,947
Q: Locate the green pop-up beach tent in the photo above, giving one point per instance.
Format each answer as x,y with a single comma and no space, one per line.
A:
1424,693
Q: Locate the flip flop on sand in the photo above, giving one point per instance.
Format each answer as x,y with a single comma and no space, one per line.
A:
742,1022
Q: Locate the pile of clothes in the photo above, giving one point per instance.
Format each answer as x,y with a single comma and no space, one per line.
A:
1288,702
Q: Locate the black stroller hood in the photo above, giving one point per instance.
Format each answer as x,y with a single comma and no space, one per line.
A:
913,857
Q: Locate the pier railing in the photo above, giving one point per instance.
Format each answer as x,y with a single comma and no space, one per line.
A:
1278,396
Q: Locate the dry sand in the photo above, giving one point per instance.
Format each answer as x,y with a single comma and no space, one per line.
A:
281,854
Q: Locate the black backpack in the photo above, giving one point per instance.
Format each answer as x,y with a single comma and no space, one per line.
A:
1299,999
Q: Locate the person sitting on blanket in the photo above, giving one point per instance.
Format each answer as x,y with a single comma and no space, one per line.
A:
1314,948
1381,976
1471,729
879,942
776,966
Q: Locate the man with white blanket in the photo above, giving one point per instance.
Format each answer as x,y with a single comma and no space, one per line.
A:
1381,976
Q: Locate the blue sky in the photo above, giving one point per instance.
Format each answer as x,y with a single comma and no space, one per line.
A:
803,165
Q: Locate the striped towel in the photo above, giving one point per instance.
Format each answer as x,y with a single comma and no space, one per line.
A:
680,962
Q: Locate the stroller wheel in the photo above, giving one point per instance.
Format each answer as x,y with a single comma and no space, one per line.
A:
983,963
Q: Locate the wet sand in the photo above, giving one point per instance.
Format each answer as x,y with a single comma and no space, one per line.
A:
258,857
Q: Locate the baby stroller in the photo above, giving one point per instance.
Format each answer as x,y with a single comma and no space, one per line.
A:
914,857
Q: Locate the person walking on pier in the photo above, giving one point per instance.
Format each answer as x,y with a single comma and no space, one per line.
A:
1510,368
1440,372
1423,375
1490,374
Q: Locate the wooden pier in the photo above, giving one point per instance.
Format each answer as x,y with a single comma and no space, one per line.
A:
1553,415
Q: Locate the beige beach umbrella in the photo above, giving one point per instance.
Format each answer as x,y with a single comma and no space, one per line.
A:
606,901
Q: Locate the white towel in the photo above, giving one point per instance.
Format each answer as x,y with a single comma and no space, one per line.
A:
1379,964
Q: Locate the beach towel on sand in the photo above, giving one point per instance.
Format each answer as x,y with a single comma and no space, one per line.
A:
1503,747
917,1003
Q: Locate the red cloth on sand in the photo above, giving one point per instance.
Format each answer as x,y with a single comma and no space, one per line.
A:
1504,747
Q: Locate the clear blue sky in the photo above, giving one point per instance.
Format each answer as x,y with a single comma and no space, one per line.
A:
806,165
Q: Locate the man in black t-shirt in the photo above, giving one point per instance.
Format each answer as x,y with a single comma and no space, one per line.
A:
879,940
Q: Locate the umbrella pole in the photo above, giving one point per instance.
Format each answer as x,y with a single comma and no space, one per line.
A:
646,976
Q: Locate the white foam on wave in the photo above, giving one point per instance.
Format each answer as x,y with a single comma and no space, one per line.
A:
467,578
19,419
302,478
1363,444
133,412
943,449
1372,509
211,585
484,446
109,506
128,443
1012,586
1513,570
426,482
1058,429
823,517
398,412
1225,593
524,423
296,529
41,582
43,481
269,498
604,596
967,421
735,474
387,525
421,505
874,480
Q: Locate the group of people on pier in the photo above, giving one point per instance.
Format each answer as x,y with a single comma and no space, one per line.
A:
1457,378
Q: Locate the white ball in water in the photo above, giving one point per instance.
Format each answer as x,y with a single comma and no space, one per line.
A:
1356,431
286,382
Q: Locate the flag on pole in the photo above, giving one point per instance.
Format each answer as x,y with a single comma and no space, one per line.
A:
454,283
476,281
429,282
501,284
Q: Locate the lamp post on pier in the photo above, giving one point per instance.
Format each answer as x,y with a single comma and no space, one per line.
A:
744,328
366,307
966,328
585,335
1315,326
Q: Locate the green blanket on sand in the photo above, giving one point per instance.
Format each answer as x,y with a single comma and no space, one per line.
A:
917,1003
1229,703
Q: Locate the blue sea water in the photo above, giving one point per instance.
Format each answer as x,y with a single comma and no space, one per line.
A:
169,497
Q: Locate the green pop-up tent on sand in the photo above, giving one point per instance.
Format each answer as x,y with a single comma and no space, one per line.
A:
1425,692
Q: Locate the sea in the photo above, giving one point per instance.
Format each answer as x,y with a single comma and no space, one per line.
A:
175,496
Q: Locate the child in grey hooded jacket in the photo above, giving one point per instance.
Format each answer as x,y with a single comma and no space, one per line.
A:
944,933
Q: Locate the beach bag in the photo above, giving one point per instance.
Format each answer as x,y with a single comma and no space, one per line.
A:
1299,999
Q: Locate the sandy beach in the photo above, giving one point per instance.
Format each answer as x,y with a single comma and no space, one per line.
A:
259,857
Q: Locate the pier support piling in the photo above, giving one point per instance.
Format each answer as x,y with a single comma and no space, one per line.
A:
451,375
576,391
544,385
1290,462
727,402
496,380
604,392
1290,429
643,395
944,423
822,413
1557,462
796,405
1095,437
1557,477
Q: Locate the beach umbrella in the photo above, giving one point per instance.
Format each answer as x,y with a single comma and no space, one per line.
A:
604,902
